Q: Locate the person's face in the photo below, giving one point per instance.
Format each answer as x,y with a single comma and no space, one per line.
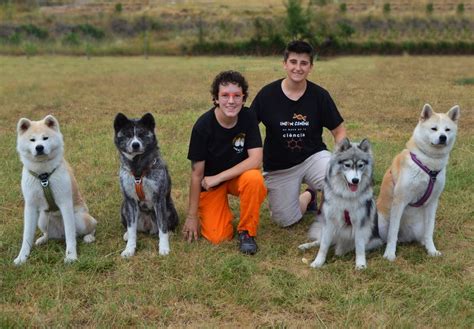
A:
297,66
230,99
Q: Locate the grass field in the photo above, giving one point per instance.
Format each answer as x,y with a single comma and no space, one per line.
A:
201,285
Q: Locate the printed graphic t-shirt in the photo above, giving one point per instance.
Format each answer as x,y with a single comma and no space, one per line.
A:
293,128
220,147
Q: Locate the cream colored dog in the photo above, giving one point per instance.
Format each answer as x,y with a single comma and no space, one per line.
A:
52,198
412,185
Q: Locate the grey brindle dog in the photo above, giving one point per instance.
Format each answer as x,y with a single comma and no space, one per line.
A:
145,182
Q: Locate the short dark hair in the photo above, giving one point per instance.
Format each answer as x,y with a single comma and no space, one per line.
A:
299,47
226,77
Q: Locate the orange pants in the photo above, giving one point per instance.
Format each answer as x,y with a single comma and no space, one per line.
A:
214,211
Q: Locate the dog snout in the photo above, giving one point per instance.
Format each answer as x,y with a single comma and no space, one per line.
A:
39,149
442,139
135,145
355,180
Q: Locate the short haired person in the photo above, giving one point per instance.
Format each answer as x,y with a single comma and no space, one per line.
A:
294,112
226,155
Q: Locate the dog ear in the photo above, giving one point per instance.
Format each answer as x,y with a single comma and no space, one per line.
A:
365,146
454,113
343,145
426,112
148,121
23,125
120,121
51,122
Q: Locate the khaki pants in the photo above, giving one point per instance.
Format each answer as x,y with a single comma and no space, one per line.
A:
214,211
284,187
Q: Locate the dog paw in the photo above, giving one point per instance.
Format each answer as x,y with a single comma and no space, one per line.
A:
20,260
127,253
389,256
89,238
317,264
361,266
303,246
70,259
164,251
41,240
434,253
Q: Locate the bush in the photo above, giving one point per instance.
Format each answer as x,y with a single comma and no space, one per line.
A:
91,31
118,8
429,8
460,8
386,8
72,39
343,7
345,29
34,31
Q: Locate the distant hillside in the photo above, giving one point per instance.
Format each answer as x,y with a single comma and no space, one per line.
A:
232,27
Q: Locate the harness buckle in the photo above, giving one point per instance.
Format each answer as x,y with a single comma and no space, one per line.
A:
138,180
44,179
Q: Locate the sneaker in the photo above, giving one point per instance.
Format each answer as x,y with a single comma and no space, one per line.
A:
247,243
312,205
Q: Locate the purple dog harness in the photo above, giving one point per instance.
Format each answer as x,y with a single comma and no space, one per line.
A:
432,175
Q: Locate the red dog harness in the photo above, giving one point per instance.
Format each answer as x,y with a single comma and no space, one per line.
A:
347,218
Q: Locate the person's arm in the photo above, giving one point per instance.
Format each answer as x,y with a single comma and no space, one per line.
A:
339,133
191,226
254,161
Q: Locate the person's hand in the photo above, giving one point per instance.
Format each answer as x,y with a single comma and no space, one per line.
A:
209,182
190,228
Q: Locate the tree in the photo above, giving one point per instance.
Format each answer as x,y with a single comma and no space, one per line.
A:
296,22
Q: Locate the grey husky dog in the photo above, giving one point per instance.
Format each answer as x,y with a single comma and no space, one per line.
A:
145,183
349,215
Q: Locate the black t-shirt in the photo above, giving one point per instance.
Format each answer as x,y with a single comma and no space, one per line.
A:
220,147
293,128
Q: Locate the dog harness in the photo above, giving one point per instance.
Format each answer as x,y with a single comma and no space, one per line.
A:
347,218
429,189
48,194
139,183
139,187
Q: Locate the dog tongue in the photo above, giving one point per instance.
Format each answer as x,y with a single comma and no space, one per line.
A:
353,187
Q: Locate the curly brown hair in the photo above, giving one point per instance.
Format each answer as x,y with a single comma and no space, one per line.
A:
226,77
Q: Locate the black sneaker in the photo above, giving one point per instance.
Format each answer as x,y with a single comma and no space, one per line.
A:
247,243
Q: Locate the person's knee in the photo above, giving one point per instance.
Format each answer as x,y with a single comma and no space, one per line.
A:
253,177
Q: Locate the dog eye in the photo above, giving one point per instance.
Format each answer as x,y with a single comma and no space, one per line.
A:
434,129
360,165
347,165
32,140
447,129
45,138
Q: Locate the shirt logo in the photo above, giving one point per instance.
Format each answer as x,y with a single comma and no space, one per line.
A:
238,143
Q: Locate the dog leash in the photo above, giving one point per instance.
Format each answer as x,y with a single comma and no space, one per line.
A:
48,194
433,174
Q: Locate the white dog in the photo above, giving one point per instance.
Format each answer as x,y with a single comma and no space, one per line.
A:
412,185
52,198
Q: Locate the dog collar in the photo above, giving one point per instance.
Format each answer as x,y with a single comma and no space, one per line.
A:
48,194
431,183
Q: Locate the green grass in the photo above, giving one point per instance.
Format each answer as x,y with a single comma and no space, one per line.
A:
202,285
